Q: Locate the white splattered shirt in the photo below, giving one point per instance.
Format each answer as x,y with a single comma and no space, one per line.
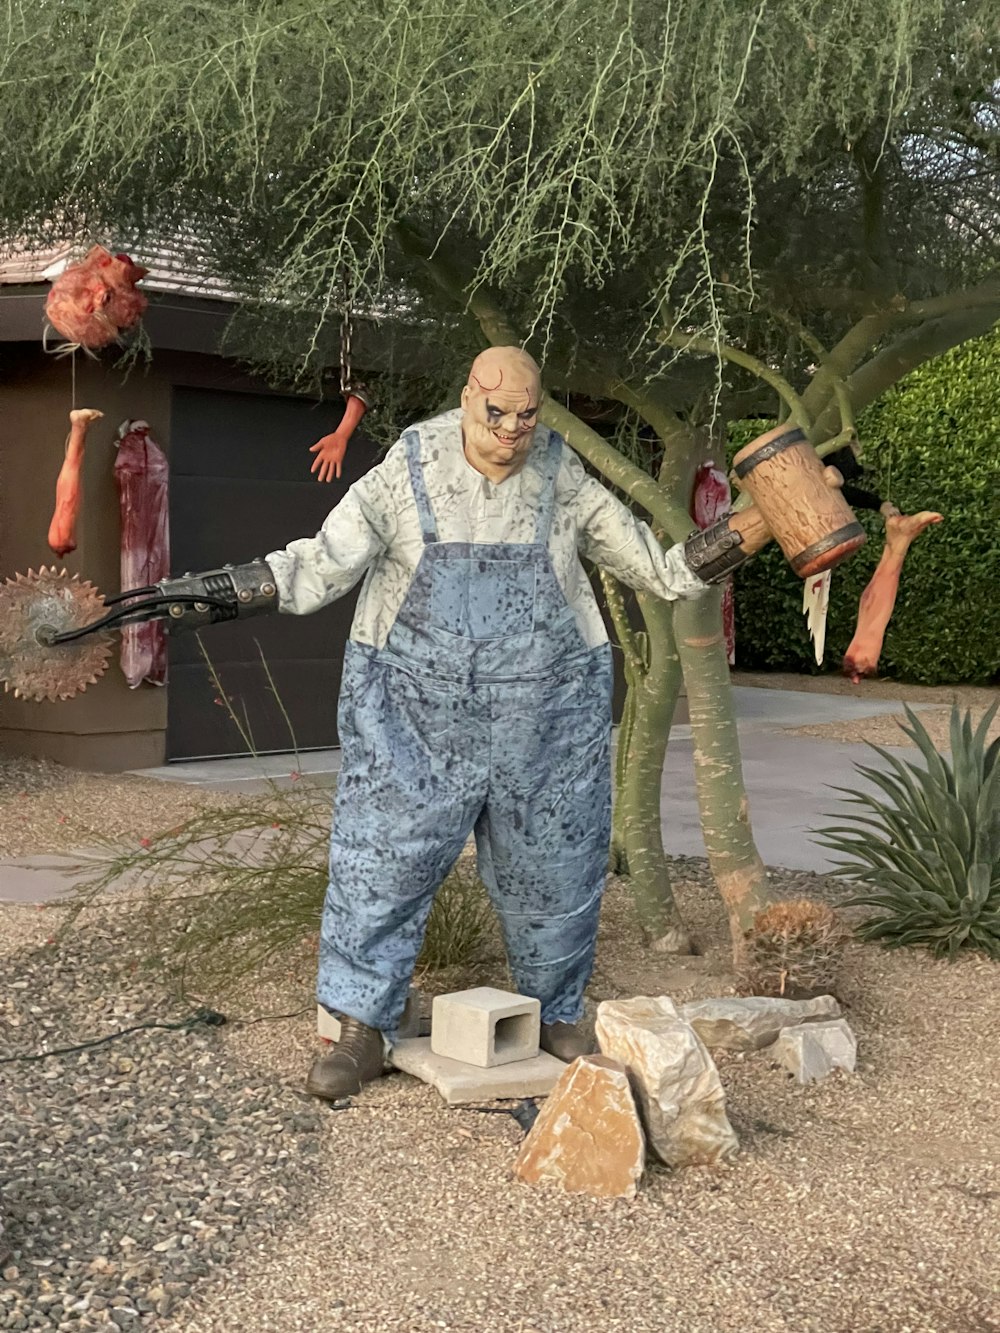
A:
375,531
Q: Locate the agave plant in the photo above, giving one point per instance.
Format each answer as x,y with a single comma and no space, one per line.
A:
928,856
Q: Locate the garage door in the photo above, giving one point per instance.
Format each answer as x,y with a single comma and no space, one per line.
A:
240,486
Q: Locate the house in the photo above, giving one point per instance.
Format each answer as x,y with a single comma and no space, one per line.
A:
240,486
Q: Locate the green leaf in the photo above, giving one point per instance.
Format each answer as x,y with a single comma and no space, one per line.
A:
980,880
923,847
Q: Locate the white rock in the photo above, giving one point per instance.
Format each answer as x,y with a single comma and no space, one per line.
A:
753,1022
674,1077
813,1051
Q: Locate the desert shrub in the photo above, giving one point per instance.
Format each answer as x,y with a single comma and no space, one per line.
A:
925,846
793,949
462,923
230,889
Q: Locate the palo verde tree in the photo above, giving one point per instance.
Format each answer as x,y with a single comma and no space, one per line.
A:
687,211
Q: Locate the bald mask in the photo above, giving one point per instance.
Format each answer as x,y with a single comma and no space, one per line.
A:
500,406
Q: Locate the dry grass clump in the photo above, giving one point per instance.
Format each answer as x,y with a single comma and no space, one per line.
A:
794,949
462,926
231,891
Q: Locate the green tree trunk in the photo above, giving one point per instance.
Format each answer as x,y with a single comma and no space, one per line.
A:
626,727
653,677
733,858
652,699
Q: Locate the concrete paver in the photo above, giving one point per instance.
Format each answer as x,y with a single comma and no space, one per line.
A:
790,783
44,878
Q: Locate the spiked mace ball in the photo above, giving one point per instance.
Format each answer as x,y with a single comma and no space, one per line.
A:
33,608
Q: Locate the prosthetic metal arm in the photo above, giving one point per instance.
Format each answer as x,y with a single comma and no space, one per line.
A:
714,553
53,627
191,601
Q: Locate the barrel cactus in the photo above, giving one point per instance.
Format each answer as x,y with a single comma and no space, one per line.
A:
794,950
925,845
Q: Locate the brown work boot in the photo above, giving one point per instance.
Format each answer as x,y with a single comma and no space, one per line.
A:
356,1059
566,1041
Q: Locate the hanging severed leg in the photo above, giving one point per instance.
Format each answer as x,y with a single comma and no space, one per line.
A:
879,598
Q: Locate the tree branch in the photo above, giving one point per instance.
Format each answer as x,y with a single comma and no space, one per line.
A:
862,338
866,334
809,340
986,294
908,351
686,343
624,632
637,485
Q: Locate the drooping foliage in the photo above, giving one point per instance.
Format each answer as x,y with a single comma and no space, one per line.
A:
653,165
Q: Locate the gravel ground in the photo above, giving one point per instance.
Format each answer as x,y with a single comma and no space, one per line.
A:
45,807
129,1171
885,728
178,1179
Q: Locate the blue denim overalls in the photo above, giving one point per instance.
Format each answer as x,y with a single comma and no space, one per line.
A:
485,712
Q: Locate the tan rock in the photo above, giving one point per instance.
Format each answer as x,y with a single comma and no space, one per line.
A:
587,1137
677,1085
754,1021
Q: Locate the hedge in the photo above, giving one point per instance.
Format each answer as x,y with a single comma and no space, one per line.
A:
932,442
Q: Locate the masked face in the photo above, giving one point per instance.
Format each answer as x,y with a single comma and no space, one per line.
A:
500,411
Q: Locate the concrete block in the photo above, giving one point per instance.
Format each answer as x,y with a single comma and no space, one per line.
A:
410,1025
460,1083
485,1027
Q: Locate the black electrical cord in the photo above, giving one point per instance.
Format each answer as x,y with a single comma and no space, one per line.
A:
525,1112
209,1017
130,593
201,1017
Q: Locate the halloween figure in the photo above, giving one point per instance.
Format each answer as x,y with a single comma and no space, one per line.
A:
476,692
476,700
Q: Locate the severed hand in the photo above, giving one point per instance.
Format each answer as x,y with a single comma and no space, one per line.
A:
329,451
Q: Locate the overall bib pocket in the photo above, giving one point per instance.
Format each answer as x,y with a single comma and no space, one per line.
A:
482,598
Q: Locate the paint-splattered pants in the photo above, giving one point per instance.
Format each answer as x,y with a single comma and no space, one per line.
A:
485,713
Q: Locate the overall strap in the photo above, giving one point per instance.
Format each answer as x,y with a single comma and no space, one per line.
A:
419,485
548,469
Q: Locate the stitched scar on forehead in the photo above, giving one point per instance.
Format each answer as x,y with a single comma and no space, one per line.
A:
488,389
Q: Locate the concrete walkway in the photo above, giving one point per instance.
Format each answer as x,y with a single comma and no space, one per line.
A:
789,781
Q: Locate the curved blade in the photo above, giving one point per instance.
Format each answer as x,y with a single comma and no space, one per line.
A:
34,606
815,601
